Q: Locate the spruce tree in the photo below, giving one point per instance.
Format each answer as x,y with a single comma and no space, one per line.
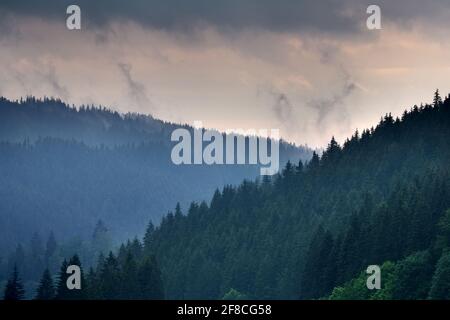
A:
92,290
109,278
136,248
148,237
440,287
178,212
77,294
62,292
149,277
129,283
46,289
437,100
14,288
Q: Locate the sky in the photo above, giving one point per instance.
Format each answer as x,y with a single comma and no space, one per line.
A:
311,69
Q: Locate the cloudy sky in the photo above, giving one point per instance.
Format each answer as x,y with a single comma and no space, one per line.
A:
310,68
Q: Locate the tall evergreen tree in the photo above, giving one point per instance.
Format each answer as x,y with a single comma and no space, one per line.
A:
437,100
148,237
319,274
440,287
149,277
14,288
129,281
92,285
46,289
62,292
109,278
77,294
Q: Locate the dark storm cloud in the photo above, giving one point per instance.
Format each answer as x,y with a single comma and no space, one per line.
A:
168,14
329,16
283,15
8,27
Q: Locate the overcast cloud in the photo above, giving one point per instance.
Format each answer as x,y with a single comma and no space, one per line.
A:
309,68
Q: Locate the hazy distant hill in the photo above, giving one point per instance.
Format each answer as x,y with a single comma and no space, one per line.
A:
63,169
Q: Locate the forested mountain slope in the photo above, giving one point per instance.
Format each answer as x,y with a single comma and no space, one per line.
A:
63,169
378,197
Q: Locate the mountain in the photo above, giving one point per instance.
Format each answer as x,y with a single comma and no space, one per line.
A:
379,199
382,199
64,168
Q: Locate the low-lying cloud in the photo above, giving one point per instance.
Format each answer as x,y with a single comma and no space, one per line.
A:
136,89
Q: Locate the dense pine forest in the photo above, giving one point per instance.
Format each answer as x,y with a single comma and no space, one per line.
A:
310,232
382,197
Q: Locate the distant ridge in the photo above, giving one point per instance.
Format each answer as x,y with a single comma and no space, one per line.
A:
64,168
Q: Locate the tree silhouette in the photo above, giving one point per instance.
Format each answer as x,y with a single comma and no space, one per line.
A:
437,100
62,292
46,289
14,288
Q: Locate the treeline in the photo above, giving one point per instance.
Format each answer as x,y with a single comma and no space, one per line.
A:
33,118
132,273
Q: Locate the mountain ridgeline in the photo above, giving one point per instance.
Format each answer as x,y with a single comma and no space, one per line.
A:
380,199
64,168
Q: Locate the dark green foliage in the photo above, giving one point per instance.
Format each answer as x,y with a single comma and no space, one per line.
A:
417,276
109,278
62,292
149,280
378,198
234,295
413,277
92,290
356,289
443,238
148,237
131,275
440,287
129,280
319,273
14,287
75,294
408,279
46,289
